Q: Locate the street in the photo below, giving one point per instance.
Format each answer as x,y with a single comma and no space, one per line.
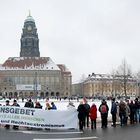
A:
130,132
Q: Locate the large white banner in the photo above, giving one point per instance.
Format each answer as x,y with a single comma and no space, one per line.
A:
28,87
38,118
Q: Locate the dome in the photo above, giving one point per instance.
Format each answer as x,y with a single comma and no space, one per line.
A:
29,18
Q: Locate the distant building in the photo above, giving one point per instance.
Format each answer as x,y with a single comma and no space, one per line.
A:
77,89
31,75
96,85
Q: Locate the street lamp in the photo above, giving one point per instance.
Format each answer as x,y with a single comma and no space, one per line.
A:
35,86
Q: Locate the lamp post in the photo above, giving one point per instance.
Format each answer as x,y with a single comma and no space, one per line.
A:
35,86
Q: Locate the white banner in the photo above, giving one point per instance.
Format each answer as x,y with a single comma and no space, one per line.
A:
28,87
38,118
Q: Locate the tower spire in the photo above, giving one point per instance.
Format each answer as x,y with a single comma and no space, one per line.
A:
29,39
29,13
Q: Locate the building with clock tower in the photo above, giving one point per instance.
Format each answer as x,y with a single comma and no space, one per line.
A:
29,39
31,75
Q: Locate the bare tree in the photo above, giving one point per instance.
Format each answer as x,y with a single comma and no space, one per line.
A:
124,72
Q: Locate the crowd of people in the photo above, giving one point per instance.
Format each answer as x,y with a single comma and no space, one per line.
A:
87,115
122,111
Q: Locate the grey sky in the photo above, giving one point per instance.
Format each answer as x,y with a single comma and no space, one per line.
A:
86,35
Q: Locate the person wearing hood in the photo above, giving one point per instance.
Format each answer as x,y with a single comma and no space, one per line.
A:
93,115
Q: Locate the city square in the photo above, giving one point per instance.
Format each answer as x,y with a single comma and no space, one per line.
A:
69,70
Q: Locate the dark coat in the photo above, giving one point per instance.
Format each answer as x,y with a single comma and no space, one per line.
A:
114,108
29,104
81,111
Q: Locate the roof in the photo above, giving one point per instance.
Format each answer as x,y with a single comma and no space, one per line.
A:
29,63
64,69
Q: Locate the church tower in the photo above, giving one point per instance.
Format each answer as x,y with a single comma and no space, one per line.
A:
29,39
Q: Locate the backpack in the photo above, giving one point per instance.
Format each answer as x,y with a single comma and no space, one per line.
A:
103,109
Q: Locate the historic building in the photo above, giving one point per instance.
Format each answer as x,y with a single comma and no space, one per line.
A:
105,85
31,75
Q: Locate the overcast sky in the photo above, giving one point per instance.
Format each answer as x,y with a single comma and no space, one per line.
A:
86,35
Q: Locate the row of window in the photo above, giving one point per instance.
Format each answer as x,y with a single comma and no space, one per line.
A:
31,80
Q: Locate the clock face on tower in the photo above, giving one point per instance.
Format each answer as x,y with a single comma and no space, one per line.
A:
29,28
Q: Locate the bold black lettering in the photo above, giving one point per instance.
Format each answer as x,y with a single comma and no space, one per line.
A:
12,110
22,111
28,112
7,110
32,112
16,110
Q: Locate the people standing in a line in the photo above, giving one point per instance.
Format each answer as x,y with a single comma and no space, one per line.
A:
81,115
103,109
7,103
113,112
93,115
17,105
87,107
122,112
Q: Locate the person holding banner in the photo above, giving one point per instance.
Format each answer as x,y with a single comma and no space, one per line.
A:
53,106
48,106
29,104
15,104
7,103
38,105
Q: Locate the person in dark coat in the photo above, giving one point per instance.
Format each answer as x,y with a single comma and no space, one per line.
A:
81,115
122,112
53,106
93,115
103,109
17,105
132,111
87,107
29,104
137,113
113,112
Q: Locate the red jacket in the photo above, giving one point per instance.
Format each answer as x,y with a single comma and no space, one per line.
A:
93,112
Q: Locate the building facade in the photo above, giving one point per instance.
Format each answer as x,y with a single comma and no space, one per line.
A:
31,75
104,85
